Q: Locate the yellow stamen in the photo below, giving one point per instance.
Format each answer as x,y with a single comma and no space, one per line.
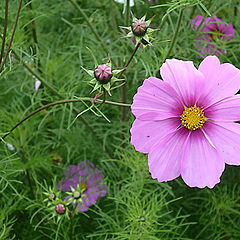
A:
193,118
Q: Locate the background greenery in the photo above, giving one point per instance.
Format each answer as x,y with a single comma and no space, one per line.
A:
136,206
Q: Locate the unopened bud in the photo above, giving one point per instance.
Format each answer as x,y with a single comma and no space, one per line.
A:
76,195
60,208
139,28
103,73
51,196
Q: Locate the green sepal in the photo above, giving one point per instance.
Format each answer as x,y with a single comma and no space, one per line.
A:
107,86
148,22
90,72
150,30
127,28
116,72
134,18
138,39
130,34
119,80
97,86
93,81
143,18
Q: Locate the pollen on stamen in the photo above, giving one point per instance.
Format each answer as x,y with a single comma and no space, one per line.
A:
193,118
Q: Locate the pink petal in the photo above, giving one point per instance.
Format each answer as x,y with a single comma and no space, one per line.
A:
144,134
213,24
196,22
225,110
165,157
202,164
186,80
156,100
222,80
228,31
226,138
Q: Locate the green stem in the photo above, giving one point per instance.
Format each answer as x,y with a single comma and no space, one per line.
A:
175,34
90,25
129,60
56,103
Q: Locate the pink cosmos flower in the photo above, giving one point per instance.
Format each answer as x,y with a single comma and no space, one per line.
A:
90,180
186,123
213,32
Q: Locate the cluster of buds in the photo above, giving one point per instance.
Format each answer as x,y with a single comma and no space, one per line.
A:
55,204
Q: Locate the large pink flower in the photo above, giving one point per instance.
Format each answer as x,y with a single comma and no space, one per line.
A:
186,123
213,32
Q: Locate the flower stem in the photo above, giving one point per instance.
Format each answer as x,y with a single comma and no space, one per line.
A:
129,60
175,34
11,39
4,30
56,103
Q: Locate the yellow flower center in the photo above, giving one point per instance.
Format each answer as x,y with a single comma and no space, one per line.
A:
193,118
216,35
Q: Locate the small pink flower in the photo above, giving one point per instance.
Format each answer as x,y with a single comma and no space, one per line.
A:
212,32
187,123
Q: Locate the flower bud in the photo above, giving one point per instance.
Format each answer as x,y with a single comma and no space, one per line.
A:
51,196
103,73
76,194
139,28
60,208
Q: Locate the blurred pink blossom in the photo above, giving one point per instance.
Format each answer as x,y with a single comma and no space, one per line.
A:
87,176
213,32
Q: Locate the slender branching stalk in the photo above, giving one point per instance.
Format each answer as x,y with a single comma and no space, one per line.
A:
60,102
129,60
4,30
12,36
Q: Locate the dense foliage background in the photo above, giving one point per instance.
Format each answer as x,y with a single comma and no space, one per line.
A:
51,41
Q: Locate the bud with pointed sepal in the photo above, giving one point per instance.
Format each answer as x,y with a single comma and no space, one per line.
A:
140,31
103,77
